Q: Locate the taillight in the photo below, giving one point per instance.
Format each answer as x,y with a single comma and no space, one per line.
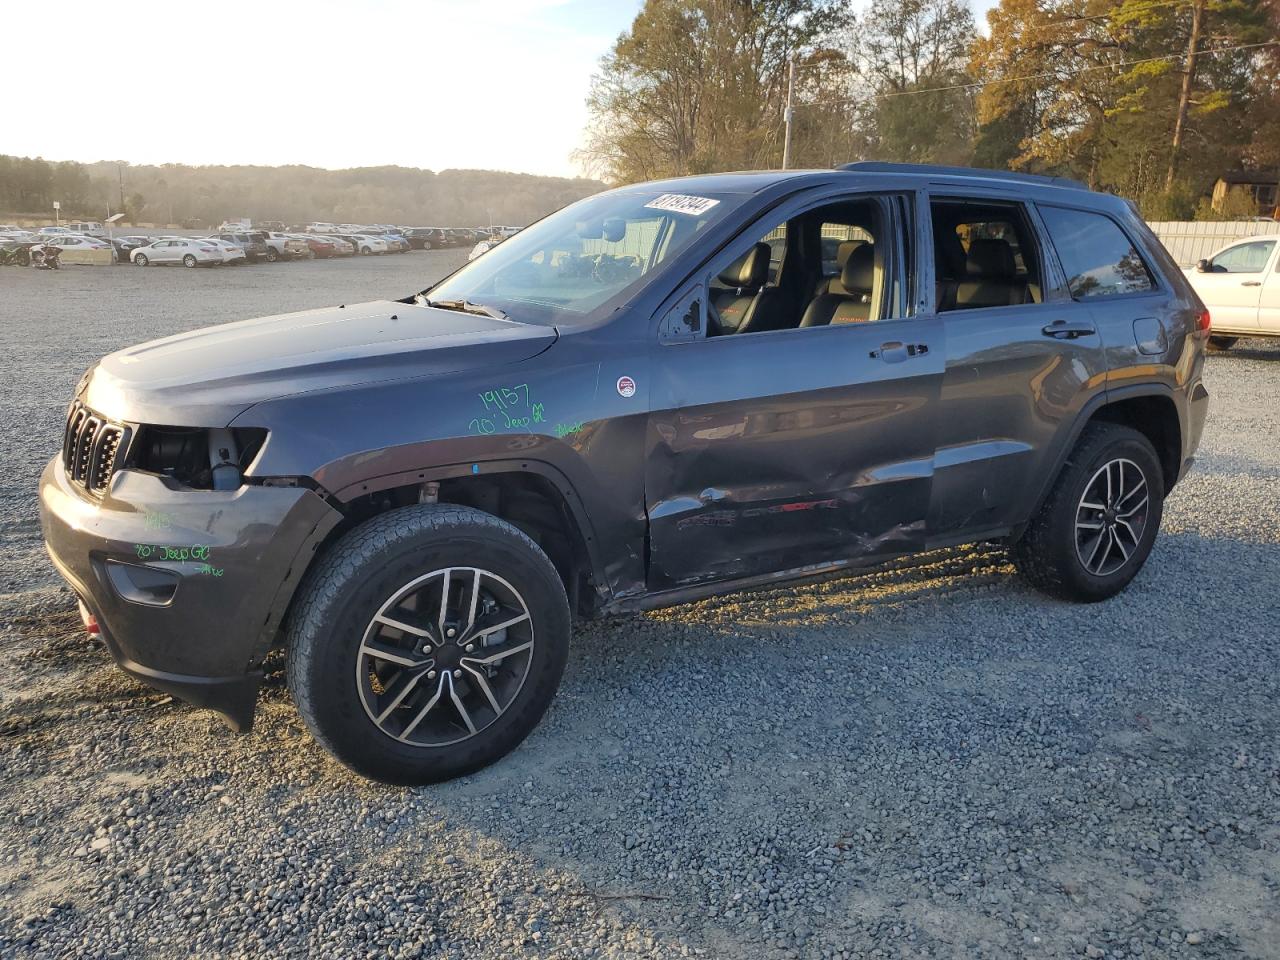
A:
1202,323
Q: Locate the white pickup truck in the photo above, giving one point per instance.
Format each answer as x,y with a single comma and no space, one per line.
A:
1240,284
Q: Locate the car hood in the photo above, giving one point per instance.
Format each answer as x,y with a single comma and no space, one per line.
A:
208,377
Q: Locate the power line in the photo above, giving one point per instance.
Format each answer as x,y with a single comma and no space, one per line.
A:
978,84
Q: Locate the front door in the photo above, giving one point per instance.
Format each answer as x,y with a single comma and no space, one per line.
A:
1269,302
799,429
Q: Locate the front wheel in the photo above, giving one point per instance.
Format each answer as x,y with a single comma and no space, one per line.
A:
365,251
189,260
141,260
1094,532
427,643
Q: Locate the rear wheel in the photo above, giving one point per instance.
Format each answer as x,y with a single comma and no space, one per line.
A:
271,255
1094,532
1221,344
365,251
141,260
427,643
189,260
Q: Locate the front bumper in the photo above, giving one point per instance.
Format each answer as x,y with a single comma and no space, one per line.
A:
189,587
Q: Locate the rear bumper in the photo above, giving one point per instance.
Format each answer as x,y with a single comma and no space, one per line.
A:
189,587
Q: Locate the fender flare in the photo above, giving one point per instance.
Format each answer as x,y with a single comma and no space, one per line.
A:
1097,402
454,471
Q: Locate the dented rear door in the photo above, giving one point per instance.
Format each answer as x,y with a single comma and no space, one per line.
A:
778,450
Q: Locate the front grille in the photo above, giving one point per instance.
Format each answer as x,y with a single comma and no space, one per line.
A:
90,446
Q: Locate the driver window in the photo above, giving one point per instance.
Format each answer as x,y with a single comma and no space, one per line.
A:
1245,258
829,266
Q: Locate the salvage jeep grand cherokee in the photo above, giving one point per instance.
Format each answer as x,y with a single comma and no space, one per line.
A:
659,393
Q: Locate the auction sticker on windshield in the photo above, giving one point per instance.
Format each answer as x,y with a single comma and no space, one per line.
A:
679,203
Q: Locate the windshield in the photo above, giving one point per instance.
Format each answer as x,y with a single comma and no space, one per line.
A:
581,259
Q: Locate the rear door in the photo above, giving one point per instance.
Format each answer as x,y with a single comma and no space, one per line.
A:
1269,303
1022,361
792,446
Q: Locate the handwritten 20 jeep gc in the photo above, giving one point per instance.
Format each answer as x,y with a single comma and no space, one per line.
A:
659,393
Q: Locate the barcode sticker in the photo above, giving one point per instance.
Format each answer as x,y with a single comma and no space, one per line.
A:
679,203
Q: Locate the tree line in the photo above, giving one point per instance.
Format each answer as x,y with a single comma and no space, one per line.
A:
176,193
1152,99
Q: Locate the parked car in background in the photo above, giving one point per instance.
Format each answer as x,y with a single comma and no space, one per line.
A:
183,250
395,242
504,231
322,248
53,231
342,246
366,244
484,246
254,247
232,253
284,246
425,238
124,246
83,250
87,228
321,227
235,226
1240,284
276,226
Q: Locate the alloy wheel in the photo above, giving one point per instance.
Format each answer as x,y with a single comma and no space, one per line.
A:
445,656
1111,517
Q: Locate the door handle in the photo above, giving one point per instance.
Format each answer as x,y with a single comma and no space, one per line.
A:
1251,283
895,351
1068,329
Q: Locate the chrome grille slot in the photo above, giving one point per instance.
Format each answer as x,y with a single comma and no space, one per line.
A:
90,447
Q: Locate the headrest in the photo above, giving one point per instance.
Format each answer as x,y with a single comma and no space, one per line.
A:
990,258
842,252
858,273
749,271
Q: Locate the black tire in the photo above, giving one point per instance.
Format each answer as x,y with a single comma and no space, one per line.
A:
336,606
1222,344
1048,556
271,255
189,260
141,260
365,251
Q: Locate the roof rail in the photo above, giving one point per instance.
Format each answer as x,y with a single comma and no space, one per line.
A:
880,166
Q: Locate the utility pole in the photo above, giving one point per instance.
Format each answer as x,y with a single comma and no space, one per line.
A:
1184,97
120,173
789,113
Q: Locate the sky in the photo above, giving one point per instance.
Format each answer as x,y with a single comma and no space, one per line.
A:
486,84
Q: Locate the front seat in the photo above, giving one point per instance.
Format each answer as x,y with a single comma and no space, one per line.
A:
745,278
990,277
831,284
848,301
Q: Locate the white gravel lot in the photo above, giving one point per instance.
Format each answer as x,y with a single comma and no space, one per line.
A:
928,760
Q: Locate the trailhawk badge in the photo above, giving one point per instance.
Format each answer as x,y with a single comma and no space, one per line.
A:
626,387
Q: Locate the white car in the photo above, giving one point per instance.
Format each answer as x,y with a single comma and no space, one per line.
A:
1240,284
53,231
366,244
319,227
183,250
231,253
81,249
484,246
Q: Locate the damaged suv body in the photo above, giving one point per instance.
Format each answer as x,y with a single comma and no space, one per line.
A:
659,393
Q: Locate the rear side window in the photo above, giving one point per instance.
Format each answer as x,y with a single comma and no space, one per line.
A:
1097,256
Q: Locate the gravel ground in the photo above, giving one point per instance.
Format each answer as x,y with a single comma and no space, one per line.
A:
927,760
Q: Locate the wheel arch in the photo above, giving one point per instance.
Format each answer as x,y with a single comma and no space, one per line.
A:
533,496
1151,409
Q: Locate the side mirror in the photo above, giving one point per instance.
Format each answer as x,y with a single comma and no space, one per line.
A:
1202,266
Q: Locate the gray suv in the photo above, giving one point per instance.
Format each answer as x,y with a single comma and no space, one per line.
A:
661,392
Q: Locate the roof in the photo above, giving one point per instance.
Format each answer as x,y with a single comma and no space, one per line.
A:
753,181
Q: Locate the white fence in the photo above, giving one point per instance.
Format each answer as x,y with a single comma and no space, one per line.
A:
1188,242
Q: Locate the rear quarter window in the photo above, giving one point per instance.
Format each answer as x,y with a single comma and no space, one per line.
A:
1097,256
